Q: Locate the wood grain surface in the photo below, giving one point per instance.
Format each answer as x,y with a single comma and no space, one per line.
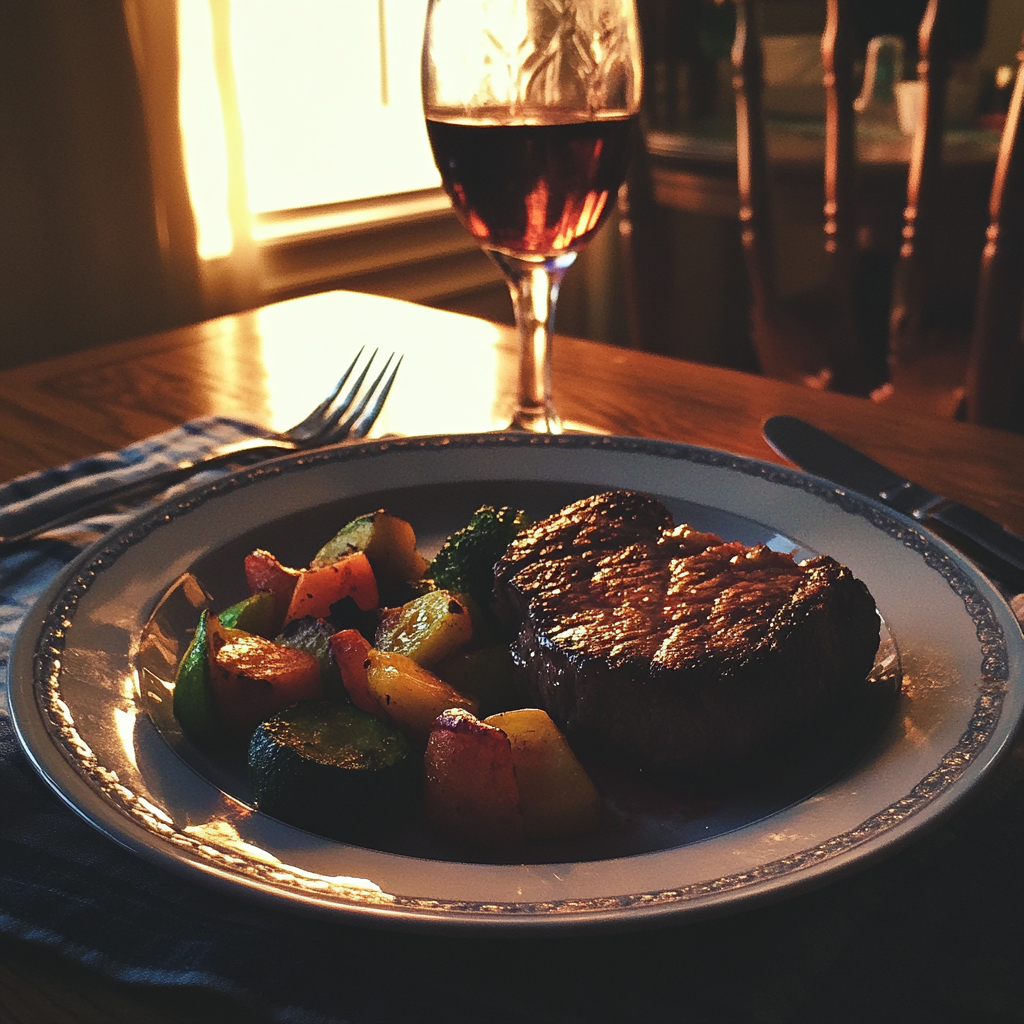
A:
270,365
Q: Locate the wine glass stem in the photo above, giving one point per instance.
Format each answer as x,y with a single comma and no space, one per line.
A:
534,286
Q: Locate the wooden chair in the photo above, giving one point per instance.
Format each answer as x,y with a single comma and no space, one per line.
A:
995,376
927,364
811,340
816,338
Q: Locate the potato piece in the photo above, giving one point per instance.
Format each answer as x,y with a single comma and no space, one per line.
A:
351,652
317,589
388,542
471,790
556,797
411,696
252,678
427,630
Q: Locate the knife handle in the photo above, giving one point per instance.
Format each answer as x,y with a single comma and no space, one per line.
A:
1005,546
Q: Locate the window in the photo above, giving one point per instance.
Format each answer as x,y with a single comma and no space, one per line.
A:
307,159
303,120
329,97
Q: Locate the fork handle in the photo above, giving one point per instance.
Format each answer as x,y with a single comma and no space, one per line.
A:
67,505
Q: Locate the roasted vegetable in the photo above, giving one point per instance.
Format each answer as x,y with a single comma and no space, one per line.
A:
314,637
194,705
317,589
428,629
351,652
471,790
252,678
387,541
254,614
556,797
465,563
333,769
411,696
263,572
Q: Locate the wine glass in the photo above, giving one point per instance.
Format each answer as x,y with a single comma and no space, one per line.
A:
530,107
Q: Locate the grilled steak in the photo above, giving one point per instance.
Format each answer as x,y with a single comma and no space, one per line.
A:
671,648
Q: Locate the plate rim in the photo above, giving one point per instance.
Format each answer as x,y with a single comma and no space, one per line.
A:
819,864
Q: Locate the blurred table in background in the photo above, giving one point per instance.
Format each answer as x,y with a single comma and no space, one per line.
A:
698,266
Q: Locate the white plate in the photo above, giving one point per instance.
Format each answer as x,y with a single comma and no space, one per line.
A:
82,692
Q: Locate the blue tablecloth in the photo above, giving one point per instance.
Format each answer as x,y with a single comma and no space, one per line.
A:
934,933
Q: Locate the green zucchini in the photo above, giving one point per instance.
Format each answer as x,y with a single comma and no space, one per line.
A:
193,697
388,542
313,636
330,768
253,614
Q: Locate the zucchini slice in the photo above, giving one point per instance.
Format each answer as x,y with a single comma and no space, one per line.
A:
332,769
389,544
193,702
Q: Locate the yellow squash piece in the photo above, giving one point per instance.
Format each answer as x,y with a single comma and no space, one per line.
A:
411,696
427,630
556,797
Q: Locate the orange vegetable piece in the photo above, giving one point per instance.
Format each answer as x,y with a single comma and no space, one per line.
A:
317,589
252,678
471,789
351,651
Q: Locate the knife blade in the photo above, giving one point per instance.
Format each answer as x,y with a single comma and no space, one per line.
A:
820,453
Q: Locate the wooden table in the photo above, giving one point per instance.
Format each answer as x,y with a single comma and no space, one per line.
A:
272,364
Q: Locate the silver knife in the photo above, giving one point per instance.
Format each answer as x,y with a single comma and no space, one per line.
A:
823,455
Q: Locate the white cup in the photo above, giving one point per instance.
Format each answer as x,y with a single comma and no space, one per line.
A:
909,105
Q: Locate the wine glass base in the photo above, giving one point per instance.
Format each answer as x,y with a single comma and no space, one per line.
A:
536,422
564,427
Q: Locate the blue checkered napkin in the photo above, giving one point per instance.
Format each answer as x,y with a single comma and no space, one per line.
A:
64,885
74,485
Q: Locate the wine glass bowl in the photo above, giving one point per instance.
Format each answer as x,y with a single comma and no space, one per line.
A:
530,106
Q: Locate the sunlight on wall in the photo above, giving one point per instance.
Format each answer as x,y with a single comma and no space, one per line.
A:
329,102
202,129
320,125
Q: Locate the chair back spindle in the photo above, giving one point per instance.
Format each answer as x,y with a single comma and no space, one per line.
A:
995,377
908,327
755,215
821,347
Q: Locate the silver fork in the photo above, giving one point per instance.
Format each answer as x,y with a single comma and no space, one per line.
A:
335,419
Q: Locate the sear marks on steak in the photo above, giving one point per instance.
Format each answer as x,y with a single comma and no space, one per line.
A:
671,648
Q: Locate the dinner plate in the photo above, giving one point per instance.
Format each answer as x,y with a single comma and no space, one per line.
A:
92,669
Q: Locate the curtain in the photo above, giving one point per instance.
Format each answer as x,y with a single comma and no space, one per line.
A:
97,233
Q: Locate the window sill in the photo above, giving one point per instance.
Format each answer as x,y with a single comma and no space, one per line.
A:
409,246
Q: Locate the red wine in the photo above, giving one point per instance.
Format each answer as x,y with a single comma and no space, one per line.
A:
531,189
